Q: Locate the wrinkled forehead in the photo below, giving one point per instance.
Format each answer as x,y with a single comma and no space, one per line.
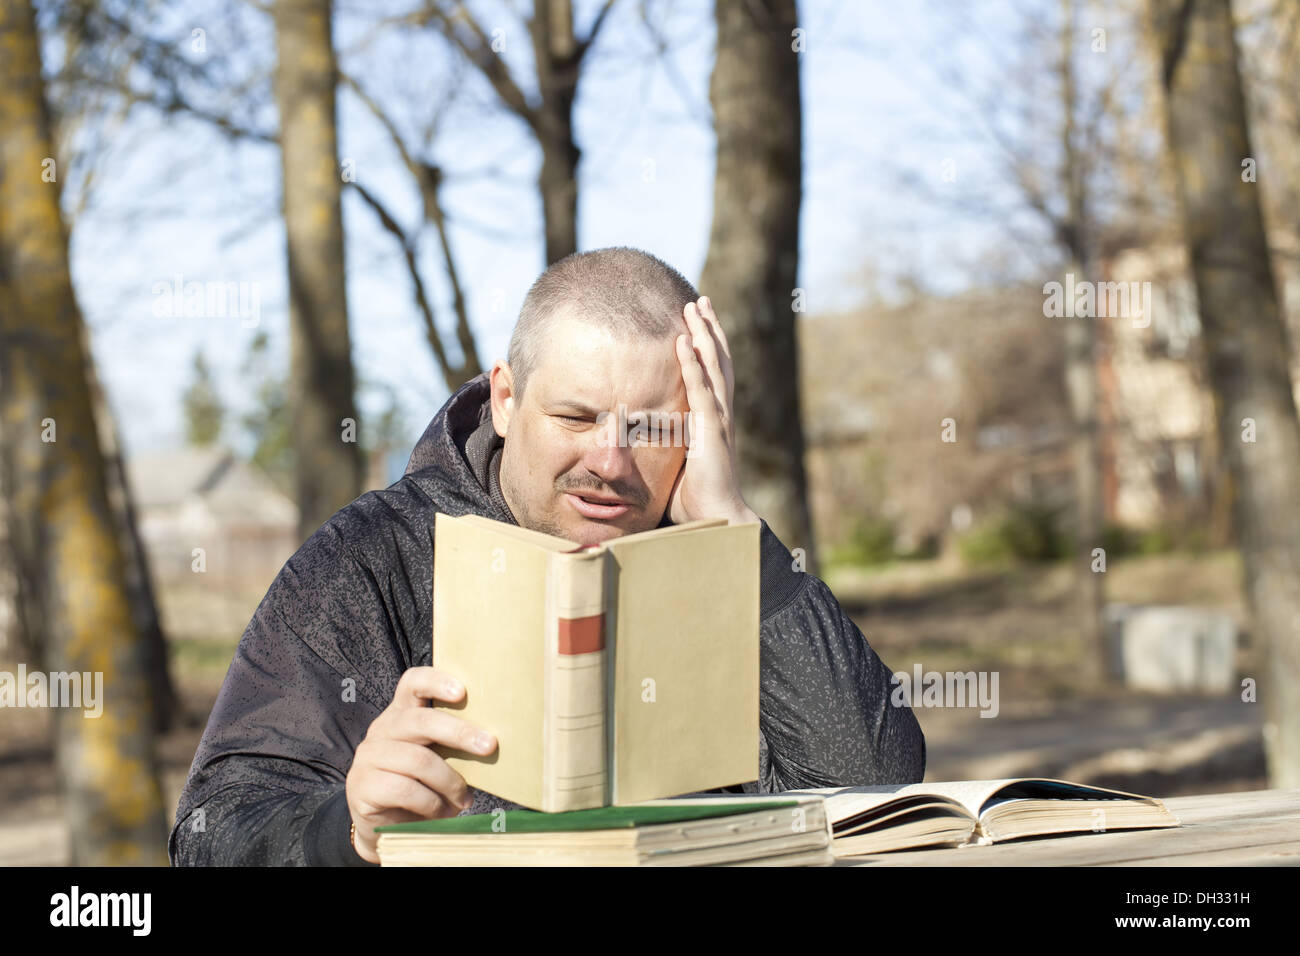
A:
600,367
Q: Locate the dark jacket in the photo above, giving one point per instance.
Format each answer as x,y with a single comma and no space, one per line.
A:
352,610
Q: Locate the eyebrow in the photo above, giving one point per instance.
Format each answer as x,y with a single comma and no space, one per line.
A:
577,406
573,405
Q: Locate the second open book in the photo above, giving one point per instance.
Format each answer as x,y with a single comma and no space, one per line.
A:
881,819
614,674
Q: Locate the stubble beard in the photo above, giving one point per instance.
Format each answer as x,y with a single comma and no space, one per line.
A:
519,507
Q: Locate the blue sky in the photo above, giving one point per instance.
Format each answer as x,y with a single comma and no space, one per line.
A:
173,197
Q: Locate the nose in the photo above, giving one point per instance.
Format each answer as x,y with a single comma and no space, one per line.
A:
609,460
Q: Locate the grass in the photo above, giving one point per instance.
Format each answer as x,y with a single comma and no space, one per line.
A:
201,661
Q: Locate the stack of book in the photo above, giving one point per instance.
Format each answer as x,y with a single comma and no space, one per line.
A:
797,828
761,831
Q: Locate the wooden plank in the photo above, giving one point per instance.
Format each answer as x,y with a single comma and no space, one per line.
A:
1248,802
1150,847
1278,854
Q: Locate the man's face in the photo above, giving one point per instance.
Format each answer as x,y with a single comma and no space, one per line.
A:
562,441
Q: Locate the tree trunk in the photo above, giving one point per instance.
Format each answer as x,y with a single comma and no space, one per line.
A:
1081,381
751,269
555,50
1082,389
1246,343
328,458
64,537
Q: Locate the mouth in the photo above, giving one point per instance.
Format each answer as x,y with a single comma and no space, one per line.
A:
598,507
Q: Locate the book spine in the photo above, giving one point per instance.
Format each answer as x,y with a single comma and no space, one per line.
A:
573,733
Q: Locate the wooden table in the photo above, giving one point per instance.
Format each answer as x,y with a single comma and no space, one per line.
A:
1252,828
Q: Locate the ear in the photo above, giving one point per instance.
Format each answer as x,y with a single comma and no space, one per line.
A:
502,397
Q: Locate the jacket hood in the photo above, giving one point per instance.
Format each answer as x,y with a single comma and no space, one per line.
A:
457,460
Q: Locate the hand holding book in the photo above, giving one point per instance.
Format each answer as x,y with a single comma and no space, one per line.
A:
396,776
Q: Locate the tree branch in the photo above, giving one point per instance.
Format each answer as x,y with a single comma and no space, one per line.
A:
484,58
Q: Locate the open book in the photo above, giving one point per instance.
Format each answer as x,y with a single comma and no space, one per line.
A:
764,830
612,674
907,817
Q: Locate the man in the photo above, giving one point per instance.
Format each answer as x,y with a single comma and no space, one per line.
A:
323,730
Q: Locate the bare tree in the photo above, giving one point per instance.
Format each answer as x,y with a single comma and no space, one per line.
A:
328,463
72,591
429,179
1075,231
1246,342
81,112
558,54
1064,121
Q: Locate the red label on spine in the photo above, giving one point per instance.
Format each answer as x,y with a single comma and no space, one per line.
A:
582,635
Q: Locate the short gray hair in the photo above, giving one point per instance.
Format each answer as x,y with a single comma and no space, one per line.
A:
619,288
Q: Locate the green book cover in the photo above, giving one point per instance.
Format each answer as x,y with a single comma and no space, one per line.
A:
599,818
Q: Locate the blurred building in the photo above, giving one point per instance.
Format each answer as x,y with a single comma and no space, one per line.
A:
921,413
1158,408
885,388
207,508
215,529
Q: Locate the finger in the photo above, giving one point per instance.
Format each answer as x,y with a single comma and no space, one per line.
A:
420,684
704,404
716,363
422,764
703,342
705,415
429,725
724,349
710,316
384,791
703,347
712,398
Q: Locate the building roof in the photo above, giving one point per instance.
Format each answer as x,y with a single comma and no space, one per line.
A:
228,486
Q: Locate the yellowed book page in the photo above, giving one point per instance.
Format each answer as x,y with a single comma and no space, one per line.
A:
489,604
686,661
